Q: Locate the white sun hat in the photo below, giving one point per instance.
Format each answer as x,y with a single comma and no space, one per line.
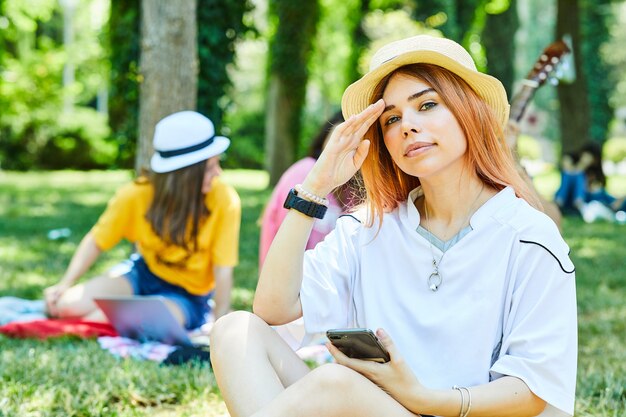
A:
427,50
183,139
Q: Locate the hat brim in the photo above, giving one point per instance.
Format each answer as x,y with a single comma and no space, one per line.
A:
159,164
359,95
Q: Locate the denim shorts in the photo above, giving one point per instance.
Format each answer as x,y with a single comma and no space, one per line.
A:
195,308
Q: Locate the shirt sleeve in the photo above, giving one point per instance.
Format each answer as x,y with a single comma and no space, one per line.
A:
328,279
116,221
539,340
225,248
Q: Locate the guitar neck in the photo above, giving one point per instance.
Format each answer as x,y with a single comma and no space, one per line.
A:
521,99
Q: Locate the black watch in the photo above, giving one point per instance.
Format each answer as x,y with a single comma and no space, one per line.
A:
307,207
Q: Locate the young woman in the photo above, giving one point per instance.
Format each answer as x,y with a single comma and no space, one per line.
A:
469,286
183,221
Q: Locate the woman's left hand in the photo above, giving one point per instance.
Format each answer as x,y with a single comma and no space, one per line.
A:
394,377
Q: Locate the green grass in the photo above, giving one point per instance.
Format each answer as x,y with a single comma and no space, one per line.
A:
72,377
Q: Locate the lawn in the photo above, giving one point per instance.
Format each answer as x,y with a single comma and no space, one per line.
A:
71,377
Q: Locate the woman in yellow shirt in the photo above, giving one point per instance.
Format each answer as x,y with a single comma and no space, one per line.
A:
183,221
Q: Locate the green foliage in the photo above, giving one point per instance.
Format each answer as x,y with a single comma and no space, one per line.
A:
246,133
31,100
614,149
220,25
595,22
454,18
439,14
123,36
32,121
79,141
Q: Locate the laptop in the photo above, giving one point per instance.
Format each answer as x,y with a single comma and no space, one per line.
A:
144,318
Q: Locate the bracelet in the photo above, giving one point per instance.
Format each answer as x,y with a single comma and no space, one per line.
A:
310,196
464,413
462,399
469,402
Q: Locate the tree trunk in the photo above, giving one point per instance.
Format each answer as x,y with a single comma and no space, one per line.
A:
280,146
574,111
499,40
290,49
595,32
168,67
359,40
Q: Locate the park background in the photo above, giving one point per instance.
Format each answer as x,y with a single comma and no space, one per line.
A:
82,83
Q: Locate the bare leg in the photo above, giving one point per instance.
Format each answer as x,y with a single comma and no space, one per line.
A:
77,301
252,364
259,375
334,391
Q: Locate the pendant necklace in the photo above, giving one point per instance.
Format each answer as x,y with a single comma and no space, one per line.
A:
435,278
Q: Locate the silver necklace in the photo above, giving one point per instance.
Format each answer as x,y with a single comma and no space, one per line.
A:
435,279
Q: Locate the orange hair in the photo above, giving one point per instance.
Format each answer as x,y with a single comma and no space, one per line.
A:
487,152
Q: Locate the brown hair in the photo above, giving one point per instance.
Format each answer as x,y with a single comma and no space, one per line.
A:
178,206
487,152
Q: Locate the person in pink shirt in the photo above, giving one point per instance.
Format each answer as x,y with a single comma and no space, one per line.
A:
274,212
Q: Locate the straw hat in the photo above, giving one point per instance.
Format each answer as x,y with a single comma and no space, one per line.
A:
183,139
428,50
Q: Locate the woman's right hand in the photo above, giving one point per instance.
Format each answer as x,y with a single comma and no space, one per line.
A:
344,153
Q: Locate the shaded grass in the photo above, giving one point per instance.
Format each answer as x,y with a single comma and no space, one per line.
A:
71,377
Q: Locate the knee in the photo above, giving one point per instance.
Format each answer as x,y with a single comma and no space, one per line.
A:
67,309
233,329
341,378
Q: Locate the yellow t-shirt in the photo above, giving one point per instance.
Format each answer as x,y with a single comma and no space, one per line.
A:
218,237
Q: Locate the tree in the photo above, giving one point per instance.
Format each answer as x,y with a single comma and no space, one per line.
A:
168,67
290,48
596,19
453,17
498,37
574,110
359,40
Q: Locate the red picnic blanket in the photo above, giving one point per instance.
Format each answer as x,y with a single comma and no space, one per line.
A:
43,329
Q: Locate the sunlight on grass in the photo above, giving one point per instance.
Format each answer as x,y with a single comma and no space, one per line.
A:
246,179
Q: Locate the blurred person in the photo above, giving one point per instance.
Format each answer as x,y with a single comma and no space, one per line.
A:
583,186
184,222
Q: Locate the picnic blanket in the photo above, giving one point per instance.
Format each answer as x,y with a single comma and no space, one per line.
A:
43,329
14,309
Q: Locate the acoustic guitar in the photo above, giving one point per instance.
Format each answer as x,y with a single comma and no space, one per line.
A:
544,68
551,57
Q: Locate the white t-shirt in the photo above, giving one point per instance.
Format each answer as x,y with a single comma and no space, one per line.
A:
506,306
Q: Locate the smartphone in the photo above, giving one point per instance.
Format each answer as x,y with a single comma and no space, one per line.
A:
359,344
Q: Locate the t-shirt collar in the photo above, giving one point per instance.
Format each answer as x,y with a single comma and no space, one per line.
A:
410,217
